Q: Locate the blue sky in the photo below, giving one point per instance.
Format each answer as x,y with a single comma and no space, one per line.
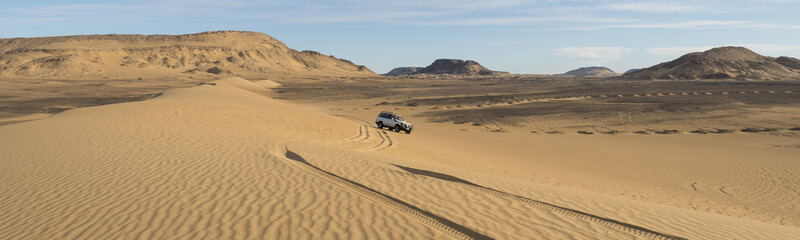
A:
518,36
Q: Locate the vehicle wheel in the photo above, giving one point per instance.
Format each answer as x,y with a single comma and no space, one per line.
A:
380,125
408,131
396,128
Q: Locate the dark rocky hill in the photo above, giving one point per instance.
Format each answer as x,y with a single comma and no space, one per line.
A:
592,71
456,67
402,71
722,63
446,68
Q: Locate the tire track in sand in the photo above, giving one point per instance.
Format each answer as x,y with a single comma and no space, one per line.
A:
588,217
363,135
384,140
454,230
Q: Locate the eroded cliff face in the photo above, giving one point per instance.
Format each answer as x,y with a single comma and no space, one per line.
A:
222,52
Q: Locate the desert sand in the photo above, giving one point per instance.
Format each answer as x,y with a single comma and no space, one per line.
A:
230,161
184,153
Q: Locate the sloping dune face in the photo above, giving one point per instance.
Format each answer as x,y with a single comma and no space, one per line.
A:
131,56
193,163
225,162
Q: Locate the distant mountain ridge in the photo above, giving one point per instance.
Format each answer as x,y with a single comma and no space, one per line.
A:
722,63
402,71
592,71
447,67
126,56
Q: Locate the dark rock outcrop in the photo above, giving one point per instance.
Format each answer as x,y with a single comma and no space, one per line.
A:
214,70
789,62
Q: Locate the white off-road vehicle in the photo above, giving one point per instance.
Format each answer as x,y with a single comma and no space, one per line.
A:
394,122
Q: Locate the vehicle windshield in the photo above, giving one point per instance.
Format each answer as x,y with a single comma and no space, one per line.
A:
399,119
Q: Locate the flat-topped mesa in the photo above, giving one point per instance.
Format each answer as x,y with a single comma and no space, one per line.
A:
722,63
592,72
445,68
128,56
456,67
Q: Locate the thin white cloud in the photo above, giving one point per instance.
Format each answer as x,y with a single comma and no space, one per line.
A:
698,24
519,20
767,48
767,26
659,7
592,52
672,51
520,42
595,62
543,15
104,11
694,6
393,16
450,5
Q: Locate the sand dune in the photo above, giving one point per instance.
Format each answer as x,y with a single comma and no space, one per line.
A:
43,76
193,163
227,161
654,149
